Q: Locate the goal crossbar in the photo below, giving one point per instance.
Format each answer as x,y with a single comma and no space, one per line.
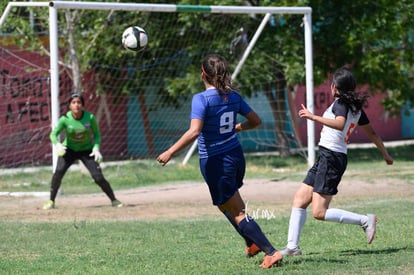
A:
53,36
177,8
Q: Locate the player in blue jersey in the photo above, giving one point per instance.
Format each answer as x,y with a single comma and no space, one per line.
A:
222,164
82,142
322,180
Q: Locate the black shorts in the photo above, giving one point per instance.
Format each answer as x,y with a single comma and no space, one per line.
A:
325,175
65,161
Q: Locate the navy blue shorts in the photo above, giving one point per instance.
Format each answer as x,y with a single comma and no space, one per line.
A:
325,175
224,174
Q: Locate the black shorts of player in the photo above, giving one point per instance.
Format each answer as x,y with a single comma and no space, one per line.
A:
71,156
325,175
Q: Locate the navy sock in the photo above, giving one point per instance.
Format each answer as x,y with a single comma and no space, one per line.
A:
248,227
248,241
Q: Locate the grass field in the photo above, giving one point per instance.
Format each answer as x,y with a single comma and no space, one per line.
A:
205,246
210,245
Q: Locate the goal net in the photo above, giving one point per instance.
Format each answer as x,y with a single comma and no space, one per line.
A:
142,99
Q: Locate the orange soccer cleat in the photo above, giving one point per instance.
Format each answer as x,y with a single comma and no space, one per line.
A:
272,260
252,250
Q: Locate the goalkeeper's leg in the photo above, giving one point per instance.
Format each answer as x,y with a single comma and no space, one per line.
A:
97,175
63,164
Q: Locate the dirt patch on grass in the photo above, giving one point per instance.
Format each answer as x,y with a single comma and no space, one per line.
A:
185,200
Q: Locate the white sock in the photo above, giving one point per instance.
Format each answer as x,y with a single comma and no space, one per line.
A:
342,216
296,223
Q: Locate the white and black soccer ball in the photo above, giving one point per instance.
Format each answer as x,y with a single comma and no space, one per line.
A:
134,38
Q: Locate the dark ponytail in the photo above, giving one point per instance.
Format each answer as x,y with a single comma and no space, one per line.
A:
345,83
214,68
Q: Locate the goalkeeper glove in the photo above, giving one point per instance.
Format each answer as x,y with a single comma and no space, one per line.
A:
97,155
61,149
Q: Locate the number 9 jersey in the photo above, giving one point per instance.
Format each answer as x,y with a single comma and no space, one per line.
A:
218,111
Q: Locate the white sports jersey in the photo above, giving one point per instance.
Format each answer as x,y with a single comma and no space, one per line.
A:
333,139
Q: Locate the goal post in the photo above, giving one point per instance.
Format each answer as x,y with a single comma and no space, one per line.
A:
307,20
55,6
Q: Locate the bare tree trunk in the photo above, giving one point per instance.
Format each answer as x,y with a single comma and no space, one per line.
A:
74,62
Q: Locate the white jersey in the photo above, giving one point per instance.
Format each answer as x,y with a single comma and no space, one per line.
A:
336,140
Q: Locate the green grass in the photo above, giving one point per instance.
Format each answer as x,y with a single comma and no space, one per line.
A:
121,176
211,246
206,246
362,162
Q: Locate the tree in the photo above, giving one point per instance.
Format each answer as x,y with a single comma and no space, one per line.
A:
374,38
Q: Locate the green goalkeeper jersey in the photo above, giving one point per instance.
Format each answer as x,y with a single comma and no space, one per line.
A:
81,134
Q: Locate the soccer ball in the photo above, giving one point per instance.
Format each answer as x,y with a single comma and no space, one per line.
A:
134,38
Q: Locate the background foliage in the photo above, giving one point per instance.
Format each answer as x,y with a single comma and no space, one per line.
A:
376,39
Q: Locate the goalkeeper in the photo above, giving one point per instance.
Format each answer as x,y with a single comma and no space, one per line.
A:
79,126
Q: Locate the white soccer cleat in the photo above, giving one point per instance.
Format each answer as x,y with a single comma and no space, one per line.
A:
291,252
371,227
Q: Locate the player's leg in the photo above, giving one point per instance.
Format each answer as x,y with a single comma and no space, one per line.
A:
224,176
320,204
63,164
301,200
96,172
331,168
251,248
321,211
220,179
367,222
298,215
246,224
249,228
238,167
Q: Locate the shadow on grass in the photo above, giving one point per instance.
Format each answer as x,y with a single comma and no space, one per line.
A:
298,260
375,252
108,205
320,258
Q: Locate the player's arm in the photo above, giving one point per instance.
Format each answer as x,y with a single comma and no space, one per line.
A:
54,137
338,123
372,135
96,154
96,133
188,137
54,134
253,121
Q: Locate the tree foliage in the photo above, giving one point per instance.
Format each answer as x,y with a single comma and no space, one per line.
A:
374,38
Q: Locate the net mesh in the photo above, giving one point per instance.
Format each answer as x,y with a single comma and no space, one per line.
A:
142,100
